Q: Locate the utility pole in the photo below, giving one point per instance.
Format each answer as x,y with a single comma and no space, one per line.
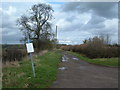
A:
56,31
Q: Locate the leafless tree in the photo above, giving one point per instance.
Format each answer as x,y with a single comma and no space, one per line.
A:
36,24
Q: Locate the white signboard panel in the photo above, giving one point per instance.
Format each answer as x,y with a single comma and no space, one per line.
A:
30,48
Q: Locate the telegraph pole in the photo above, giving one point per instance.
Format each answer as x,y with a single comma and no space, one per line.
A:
56,31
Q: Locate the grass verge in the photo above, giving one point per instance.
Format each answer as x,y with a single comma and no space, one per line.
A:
113,62
46,68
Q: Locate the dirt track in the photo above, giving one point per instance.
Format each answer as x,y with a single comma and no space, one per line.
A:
80,74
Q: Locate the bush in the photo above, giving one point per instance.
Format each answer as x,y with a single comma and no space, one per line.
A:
94,48
13,54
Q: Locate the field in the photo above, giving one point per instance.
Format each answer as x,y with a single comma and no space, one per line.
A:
21,76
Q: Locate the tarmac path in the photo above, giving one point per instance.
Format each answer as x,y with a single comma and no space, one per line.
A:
76,73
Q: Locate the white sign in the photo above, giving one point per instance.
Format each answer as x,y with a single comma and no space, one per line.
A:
30,48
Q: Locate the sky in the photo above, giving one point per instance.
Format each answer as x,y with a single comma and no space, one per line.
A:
76,21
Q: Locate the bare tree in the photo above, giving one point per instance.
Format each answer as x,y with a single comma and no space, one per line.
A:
108,40
105,38
36,25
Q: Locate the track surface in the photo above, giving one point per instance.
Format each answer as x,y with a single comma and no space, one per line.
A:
80,74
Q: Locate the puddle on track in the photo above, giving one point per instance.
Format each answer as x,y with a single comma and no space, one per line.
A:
65,58
63,68
75,59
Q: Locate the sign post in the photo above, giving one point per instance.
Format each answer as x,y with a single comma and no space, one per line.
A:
30,49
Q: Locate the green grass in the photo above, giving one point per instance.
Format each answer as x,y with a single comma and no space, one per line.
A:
99,61
46,68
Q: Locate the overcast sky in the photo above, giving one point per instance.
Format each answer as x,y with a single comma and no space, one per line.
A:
76,21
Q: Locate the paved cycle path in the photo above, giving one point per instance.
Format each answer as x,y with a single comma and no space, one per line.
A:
76,73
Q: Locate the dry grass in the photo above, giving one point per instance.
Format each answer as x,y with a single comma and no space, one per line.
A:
16,63
43,52
10,64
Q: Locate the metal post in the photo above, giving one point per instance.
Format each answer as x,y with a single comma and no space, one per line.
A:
33,70
32,65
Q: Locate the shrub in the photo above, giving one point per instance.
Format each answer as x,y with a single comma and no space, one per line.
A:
13,54
94,48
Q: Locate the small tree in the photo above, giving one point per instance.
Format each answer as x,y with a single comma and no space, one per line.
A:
85,41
